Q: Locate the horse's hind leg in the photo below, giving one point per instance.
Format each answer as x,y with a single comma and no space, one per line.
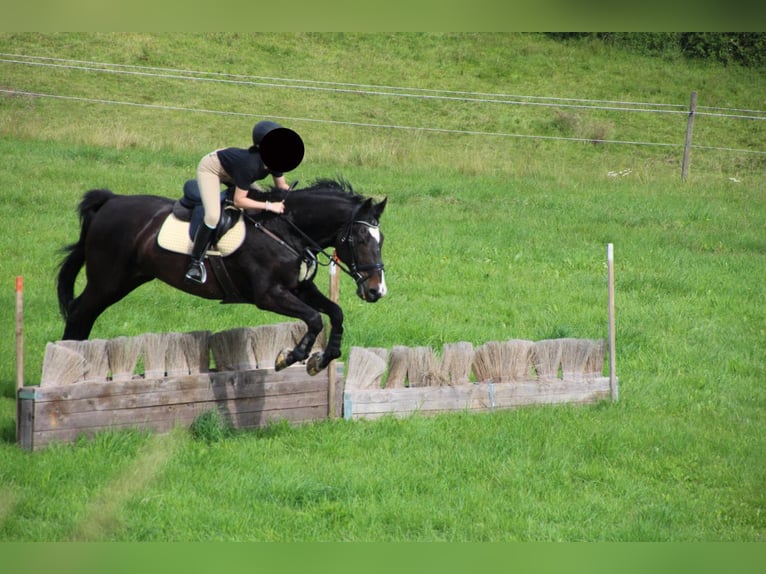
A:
87,307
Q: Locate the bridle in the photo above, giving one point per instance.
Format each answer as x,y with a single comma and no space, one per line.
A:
354,270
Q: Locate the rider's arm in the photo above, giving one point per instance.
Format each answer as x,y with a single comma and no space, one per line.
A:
243,202
280,182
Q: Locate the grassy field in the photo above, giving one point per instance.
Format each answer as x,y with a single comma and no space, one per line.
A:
488,237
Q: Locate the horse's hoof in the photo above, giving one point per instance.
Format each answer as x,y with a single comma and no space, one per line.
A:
284,359
314,364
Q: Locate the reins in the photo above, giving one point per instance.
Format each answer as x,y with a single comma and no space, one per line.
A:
315,249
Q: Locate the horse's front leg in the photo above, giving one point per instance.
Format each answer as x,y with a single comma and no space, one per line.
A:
289,356
283,301
316,299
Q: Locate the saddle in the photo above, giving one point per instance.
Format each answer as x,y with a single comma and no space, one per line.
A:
180,226
178,230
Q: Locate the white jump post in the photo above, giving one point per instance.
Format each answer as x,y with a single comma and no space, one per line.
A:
612,359
334,293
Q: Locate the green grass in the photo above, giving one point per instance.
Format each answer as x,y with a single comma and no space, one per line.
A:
487,238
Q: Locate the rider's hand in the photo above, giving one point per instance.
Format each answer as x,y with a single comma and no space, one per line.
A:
276,207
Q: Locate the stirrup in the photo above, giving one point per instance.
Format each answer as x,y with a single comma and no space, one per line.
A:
196,273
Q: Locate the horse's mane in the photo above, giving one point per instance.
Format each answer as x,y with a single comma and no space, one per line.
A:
340,186
321,188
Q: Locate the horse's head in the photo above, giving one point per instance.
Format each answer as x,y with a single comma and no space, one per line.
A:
359,247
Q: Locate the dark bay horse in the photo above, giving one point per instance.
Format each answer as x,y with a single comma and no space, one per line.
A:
119,249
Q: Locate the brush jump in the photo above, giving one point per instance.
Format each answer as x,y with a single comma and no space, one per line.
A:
273,267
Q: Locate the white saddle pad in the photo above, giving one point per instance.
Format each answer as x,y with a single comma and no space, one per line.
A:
174,236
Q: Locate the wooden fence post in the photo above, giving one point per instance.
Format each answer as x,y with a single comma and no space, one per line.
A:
688,144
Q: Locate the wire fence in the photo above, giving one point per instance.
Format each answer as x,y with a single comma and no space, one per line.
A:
344,88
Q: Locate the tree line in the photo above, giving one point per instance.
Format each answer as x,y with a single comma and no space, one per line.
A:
741,48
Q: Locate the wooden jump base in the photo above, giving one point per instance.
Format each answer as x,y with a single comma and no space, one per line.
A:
247,399
470,397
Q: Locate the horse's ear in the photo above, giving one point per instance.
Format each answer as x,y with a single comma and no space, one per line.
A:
371,210
380,207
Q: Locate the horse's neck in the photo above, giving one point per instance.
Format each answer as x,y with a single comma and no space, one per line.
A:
324,228
322,232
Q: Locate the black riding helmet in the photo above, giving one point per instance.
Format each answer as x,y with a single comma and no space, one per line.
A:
281,148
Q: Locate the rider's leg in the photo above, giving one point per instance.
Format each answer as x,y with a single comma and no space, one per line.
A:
196,272
208,178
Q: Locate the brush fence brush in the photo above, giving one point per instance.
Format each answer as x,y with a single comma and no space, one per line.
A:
96,358
398,362
594,365
424,370
456,363
546,358
61,366
488,362
574,358
365,368
266,342
176,364
516,360
232,350
196,346
155,346
123,355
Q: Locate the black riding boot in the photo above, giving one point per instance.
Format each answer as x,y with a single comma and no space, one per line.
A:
196,272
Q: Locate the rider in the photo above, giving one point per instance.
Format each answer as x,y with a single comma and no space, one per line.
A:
275,150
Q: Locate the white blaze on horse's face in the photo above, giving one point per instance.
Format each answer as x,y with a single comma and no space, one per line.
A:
382,289
375,232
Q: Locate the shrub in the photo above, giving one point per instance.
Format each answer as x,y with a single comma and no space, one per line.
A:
210,426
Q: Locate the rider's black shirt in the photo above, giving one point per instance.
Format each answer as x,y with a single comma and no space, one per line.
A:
244,166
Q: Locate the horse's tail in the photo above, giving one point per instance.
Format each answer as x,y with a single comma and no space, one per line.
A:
70,267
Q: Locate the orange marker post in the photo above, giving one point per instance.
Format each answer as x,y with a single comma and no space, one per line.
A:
19,343
19,332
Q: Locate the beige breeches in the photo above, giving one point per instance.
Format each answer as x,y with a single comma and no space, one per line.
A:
209,177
